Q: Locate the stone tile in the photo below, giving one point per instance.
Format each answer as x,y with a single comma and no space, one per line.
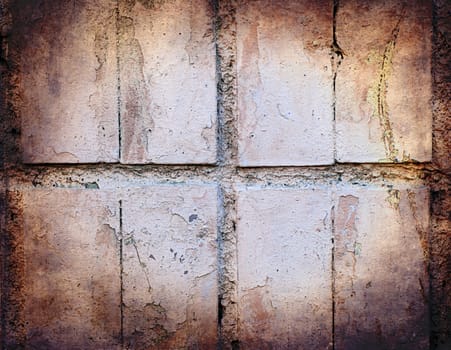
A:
169,267
284,83
284,268
381,286
168,83
65,53
383,86
72,269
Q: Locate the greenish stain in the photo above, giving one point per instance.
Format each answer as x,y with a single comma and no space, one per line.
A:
357,249
92,185
394,197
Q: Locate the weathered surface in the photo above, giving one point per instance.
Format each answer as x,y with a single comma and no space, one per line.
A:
381,283
284,268
168,86
65,56
436,174
227,152
71,284
440,262
284,82
383,85
169,267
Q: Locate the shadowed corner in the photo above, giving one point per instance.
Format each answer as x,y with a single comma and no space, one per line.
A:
62,81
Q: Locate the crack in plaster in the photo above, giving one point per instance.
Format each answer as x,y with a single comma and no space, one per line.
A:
377,95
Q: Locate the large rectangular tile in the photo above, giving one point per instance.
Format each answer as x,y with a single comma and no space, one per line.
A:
72,287
383,86
284,268
168,82
284,76
381,283
64,55
169,267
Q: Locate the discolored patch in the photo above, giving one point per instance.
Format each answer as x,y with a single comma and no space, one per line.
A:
381,282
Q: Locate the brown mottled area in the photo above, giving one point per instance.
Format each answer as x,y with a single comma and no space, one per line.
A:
13,275
380,262
284,254
383,84
69,282
440,244
65,63
169,267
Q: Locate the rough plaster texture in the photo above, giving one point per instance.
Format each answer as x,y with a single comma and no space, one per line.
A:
380,262
440,264
284,268
170,267
383,84
71,269
66,65
168,82
284,79
17,177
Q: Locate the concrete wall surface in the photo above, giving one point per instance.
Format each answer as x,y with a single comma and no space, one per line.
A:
213,174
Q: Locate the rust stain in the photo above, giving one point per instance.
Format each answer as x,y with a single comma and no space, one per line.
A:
346,246
135,116
394,197
419,226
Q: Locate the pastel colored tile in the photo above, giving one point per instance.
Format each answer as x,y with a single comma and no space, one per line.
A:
72,288
168,82
284,268
284,76
383,86
380,259
66,80
170,267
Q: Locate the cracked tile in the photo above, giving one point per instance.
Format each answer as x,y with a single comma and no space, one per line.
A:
381,285
284,268
169,267
168,82
71,266
383,85
284,80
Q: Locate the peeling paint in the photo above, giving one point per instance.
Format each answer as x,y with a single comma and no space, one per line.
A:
115,176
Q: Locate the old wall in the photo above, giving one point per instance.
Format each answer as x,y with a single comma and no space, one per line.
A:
225,174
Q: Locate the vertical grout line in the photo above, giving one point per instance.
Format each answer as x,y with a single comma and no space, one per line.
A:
434,148
3,275
220,162
220,262
121,242
224,17
118,86
336,55
333,272
429,267
220,147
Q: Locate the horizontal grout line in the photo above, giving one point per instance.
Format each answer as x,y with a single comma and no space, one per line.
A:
147,167
120,178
